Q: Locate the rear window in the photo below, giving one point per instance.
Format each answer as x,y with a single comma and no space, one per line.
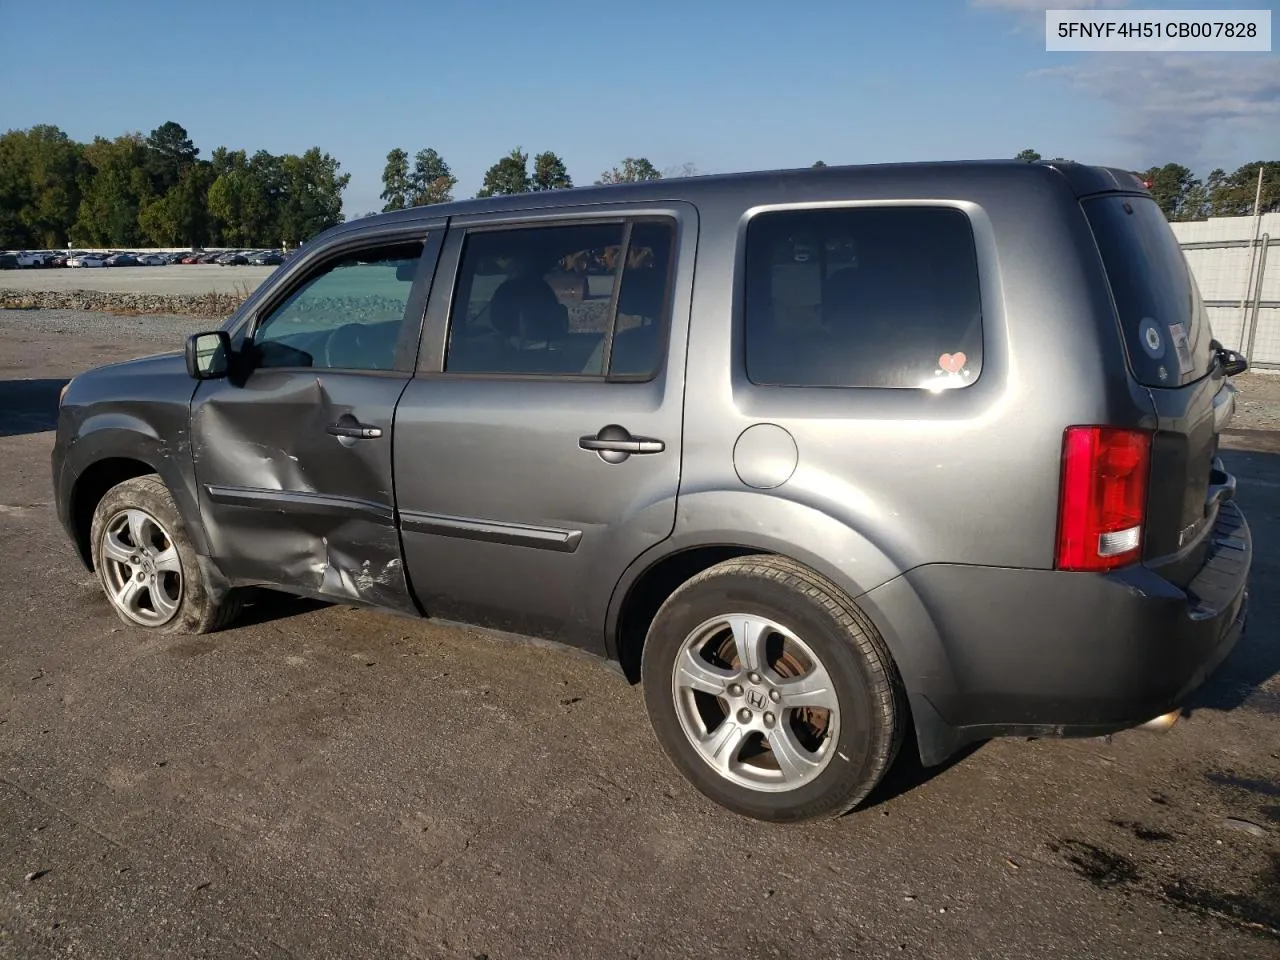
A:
1166,330
863,297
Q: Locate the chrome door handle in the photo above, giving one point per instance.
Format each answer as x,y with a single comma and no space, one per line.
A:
358,431
615,444
634,445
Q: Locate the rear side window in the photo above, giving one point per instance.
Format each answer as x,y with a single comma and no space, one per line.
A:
863,297
586,299
1166,330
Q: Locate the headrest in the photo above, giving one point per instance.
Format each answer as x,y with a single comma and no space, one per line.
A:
643,293
526,307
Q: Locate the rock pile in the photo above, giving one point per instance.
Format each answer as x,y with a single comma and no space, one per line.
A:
219,305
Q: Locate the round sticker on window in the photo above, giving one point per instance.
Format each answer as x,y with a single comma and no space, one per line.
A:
1152,341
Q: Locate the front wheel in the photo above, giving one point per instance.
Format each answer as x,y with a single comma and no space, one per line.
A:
147,566
771,692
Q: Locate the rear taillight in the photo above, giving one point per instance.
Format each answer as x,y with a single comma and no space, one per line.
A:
1102,503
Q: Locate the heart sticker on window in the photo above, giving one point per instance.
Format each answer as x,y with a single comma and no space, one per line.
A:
952,362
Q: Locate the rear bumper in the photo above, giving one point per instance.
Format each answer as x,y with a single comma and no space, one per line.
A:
990,651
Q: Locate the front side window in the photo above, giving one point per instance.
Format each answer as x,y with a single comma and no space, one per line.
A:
574,300
863,297
346,315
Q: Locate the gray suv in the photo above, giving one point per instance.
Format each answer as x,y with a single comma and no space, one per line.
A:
824,458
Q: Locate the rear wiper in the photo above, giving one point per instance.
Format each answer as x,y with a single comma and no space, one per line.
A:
1233,363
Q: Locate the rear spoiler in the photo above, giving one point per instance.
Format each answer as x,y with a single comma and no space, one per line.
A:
1087,181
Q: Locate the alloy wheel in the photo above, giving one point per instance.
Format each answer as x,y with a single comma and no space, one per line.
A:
755,702
142,570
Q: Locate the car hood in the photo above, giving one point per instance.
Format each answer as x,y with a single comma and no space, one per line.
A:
162,377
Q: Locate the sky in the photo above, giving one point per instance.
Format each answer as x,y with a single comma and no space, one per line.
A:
725,86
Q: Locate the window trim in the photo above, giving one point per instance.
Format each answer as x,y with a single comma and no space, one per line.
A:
455,250
430,233
978,230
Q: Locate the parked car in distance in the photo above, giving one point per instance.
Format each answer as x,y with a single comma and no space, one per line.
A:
122,260
34,259
949,472
8,261
87,260
150,260
269,258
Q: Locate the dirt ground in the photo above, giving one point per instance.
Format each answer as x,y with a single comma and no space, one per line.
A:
181,278
324,782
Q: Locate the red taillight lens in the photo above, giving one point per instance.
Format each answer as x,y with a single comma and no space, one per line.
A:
1102,503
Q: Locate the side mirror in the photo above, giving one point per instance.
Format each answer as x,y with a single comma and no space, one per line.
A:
1233,364
208,355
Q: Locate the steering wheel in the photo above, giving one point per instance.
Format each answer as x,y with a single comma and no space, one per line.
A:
346,347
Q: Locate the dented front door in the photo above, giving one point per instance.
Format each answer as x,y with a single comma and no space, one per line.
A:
292,455
288,503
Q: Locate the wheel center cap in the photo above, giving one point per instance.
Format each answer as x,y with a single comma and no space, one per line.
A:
756,699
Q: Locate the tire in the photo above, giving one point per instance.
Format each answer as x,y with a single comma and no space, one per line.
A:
170,593
714,722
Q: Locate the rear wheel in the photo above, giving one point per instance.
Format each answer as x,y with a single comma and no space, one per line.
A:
771,692
147,566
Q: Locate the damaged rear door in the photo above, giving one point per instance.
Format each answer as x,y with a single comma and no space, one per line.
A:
293,453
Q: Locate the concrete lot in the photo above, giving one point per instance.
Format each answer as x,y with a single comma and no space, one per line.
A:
181,278
323,782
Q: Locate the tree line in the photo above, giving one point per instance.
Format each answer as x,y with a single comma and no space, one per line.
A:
138,190
429,179
1179,193
1183,196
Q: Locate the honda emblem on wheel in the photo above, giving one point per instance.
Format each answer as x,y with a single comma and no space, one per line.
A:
757,699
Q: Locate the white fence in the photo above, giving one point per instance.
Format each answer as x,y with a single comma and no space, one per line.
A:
1239,281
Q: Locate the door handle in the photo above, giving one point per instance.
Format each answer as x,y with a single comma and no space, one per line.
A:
356,431
615,444
634,445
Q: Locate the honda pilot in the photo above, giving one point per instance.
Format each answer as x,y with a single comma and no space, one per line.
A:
826,459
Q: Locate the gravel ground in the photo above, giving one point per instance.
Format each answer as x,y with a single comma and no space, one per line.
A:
166,331
181,278
1258,405
325,782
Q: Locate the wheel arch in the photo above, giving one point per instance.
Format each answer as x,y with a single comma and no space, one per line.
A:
89,489
901,619
716,524
99,459
634,605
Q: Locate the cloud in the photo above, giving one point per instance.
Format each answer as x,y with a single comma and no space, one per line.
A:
1177,105
1194,107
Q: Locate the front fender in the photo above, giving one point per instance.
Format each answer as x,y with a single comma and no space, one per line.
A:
122,435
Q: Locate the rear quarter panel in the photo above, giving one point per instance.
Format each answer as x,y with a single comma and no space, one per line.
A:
963,476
